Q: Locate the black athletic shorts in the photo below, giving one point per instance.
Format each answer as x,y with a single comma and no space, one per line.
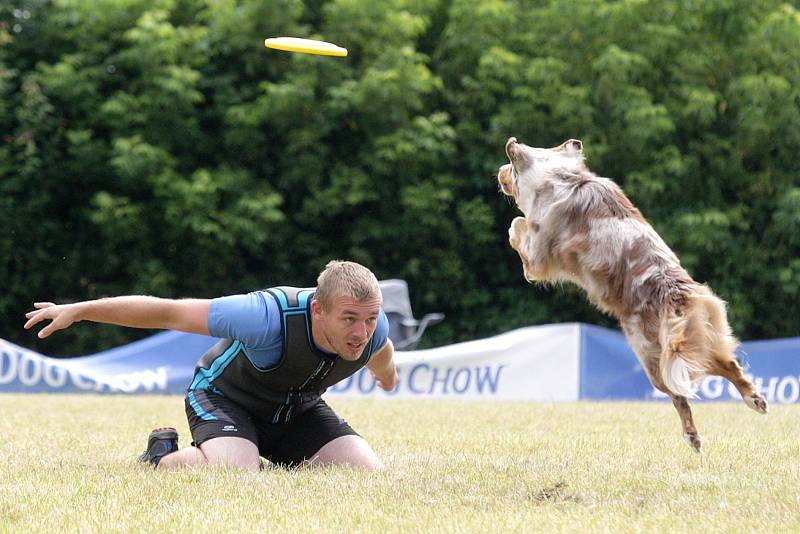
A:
288,444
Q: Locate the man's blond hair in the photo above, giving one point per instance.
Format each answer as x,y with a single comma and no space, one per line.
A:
346,278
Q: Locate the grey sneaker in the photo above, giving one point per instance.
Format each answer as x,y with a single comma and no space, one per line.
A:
161,442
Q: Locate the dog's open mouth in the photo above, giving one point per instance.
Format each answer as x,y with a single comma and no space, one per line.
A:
505,178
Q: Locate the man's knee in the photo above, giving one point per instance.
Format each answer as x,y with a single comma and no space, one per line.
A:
186,457
231,452
353,451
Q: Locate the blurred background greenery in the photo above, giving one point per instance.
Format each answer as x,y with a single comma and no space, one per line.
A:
156,147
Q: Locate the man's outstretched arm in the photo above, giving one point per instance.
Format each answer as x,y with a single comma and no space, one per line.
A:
187,315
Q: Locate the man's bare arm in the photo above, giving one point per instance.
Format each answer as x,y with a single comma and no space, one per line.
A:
187,315
381,365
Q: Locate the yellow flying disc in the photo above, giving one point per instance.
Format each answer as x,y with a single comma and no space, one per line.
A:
305,46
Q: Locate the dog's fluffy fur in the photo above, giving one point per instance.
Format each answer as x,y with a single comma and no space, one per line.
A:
581,228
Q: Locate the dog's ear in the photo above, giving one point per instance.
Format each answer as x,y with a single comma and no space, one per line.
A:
573,146
512,149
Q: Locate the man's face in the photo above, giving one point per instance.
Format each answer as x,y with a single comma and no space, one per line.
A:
345,328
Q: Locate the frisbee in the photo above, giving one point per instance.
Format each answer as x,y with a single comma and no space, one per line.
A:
305,46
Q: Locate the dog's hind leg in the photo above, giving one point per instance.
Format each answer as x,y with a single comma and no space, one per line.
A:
649,355
723,361
731,370
689,430
653,370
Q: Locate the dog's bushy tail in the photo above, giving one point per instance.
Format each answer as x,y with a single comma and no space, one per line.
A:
693,338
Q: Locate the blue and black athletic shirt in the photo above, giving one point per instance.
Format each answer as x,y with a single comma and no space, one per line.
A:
267,361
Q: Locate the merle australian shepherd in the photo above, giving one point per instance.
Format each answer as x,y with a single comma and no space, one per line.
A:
581,228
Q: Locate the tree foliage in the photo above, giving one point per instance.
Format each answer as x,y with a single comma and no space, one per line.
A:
156,147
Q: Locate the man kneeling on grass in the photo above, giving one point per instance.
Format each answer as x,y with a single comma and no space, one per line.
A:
258,391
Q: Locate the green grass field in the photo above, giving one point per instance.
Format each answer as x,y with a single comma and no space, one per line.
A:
67,464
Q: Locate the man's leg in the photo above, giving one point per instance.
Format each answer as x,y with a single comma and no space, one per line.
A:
348,450
185,457
225,451
317,437
231,452
224,431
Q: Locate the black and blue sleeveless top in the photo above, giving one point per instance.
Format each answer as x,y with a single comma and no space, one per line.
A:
288,386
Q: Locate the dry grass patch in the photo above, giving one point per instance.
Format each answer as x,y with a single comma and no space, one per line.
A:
67,463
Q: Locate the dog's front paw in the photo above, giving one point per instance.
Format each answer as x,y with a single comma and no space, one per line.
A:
693,439
757,402
519,236
515,232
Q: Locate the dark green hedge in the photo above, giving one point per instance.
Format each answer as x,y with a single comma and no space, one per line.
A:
157,147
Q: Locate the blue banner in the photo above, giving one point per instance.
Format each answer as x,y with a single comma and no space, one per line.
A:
162,363
609,368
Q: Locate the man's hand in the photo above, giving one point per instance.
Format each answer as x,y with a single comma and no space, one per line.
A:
60,315
381,365
388,382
